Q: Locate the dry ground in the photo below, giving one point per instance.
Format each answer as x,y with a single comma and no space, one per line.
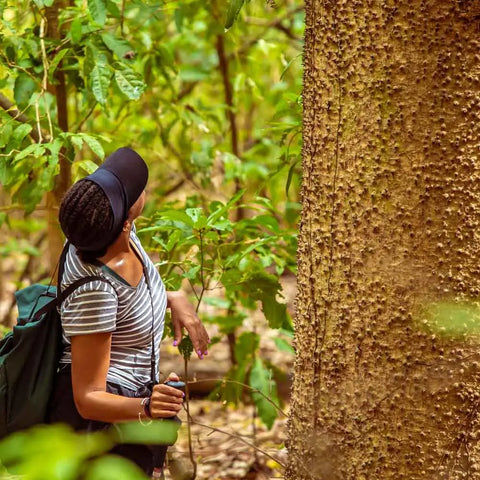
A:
226,445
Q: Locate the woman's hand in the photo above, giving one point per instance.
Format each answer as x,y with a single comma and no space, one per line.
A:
166,401
185,316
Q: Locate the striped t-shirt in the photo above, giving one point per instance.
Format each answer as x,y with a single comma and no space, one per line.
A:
119,308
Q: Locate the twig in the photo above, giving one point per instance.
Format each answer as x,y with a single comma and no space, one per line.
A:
189,429
122,17
202,273
44,82
173,188
9,107
79,125
254,418
252,389
273,24
238,437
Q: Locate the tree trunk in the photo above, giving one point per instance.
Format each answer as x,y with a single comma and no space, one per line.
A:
63,180
387,373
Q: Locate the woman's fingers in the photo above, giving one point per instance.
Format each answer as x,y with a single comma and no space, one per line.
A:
184,316
173,377
165,401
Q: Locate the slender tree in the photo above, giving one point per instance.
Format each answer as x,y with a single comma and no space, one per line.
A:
387,374
63,180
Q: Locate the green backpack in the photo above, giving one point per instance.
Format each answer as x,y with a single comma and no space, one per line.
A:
29,354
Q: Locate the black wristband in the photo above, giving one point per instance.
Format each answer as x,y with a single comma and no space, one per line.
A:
146,407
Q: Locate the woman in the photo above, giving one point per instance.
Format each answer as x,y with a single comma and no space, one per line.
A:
112,329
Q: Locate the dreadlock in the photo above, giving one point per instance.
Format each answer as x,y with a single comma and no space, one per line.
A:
86,214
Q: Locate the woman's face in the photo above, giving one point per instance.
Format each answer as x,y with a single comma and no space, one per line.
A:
137,207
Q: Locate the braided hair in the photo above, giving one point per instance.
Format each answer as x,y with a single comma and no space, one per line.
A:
85,214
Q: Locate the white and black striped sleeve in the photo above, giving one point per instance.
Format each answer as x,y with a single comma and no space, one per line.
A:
90,309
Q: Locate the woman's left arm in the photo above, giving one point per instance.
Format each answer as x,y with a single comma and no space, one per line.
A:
185,316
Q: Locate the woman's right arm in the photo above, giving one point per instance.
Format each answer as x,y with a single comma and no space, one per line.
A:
90,362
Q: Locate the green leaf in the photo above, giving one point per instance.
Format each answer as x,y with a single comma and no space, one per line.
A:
214,216
226,323
24,88
173,239
275,312
263,287
55,148
112,466
186,347
177,216
94,145
178,17
234,8
76,30
291,173
56,60
117,45
113,10
267,221
76,140
245,346
4,172
87,166
235,259
192,272
5,134
34,149
283,345
196,214
159,431
100,80
98,10
260,379
165,57
217,302
130,83
20,133
53,451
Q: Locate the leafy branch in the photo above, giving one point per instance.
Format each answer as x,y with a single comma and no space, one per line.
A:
249,387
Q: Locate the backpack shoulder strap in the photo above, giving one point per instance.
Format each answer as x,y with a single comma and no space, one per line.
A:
57,301
61,296
61,266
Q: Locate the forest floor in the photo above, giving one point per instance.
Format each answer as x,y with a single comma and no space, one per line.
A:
228,443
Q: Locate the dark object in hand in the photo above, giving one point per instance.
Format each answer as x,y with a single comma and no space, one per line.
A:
175,384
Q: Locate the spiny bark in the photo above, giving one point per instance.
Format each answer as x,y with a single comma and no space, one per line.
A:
389,227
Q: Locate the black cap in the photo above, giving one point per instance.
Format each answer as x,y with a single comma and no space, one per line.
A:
132,171
123,177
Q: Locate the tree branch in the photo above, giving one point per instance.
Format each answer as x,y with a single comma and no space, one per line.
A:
227,85
277,23
62,182
9,107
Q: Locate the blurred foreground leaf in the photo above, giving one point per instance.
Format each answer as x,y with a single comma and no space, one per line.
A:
453,319
50,452
113,467
157,432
